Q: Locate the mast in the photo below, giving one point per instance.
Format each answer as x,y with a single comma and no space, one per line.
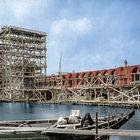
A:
60,64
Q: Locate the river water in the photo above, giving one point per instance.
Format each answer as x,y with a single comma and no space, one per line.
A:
23,111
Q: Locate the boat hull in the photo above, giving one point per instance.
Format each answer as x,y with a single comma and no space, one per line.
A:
75,134
42,133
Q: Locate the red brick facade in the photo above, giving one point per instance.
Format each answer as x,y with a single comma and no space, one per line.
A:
126,75
119,84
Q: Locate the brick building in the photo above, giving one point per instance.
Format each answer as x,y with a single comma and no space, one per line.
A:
119,84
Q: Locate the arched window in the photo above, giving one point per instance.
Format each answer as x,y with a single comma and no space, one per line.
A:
135,74
113,72
105,76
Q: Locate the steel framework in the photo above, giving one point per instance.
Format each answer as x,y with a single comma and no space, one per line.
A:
22,63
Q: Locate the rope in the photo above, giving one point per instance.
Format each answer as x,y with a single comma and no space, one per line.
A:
136,120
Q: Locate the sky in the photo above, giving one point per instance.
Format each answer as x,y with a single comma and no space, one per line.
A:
90,34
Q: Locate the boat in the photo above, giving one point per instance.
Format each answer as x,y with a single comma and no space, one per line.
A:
51,130
76,131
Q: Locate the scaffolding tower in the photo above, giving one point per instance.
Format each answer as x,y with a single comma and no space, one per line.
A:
22,63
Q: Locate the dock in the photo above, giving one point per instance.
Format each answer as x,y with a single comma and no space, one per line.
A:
44,130
22,133
21,130
101,132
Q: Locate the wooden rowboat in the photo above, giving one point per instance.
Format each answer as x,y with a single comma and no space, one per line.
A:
50,130
76,132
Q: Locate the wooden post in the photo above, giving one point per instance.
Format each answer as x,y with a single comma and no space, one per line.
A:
108,120
96,134
27,98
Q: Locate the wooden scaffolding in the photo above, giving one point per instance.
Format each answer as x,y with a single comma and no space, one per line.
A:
106,89
22,63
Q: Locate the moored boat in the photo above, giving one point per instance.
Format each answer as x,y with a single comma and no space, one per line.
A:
51,129
77,131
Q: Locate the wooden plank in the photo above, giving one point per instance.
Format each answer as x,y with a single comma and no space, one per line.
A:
121,132
17,130
109,132
44,130
22,123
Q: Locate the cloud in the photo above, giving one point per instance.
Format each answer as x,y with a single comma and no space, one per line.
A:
90,34
62,37
20,10
77,26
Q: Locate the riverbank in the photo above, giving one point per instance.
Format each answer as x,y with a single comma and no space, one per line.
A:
127,104
98,102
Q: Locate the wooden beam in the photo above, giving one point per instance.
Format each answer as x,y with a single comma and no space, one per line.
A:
101,132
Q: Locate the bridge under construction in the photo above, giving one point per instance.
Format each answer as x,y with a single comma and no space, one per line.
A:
23,75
